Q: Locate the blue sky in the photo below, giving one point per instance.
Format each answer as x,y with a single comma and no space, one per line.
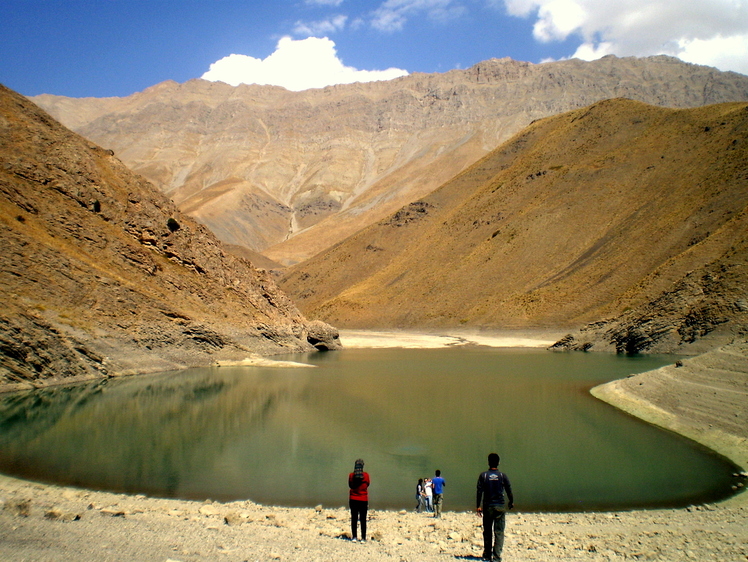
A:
118,47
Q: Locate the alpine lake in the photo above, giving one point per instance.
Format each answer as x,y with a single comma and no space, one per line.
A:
290,436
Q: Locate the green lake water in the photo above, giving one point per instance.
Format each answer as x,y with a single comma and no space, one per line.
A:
289,436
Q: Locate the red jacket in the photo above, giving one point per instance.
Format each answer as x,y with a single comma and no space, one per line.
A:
359,490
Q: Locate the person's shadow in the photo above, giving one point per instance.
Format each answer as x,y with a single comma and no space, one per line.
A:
469,557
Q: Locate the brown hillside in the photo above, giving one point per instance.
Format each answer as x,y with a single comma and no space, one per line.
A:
579,217
100,274
289,174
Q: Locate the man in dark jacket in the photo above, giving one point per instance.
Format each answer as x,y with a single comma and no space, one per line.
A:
492,485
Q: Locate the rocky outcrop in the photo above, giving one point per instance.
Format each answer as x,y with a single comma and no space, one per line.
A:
293,173
100,274
31,348
708,307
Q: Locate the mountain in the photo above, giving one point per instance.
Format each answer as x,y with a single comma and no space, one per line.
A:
290,174
616,208
101,274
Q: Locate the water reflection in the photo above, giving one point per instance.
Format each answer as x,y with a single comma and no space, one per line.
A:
153,434
289,436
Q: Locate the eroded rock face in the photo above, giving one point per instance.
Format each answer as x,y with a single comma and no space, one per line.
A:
706,308
101,274
33,349
293,173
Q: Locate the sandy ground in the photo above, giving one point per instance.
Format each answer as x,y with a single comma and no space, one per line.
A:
50,523
371,339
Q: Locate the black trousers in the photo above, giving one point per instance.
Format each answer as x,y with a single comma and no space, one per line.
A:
494,522
358,513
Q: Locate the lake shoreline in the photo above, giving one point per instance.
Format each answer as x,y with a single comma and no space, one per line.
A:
448,338
47,522
704,398
350,338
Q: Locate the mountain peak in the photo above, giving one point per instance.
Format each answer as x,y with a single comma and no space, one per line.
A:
289,174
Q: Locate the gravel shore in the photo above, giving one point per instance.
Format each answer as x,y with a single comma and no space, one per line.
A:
50,523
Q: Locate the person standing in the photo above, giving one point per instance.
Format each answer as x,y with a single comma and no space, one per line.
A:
429,489
492,485
358,482
438,484
420,495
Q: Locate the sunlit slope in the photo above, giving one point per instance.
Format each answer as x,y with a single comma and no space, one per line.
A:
579,217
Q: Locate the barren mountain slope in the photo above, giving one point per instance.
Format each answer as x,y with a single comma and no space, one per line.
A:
100,274
579,217
292,173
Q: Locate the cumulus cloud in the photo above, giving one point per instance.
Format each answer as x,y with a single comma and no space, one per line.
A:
711,32
392,15
295,65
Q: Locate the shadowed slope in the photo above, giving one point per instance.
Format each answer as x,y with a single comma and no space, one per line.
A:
100,274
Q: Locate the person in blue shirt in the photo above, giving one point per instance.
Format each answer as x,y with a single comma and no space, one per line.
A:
438,483
492,485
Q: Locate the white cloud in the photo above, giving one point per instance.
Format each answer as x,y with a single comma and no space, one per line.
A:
557,19
392,15
711,32
726,53
588,51
295,65
322,27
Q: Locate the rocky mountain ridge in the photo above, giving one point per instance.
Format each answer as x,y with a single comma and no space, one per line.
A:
619,208
292,173
102,275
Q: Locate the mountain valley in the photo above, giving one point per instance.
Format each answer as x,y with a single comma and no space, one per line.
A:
578,219
622,222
